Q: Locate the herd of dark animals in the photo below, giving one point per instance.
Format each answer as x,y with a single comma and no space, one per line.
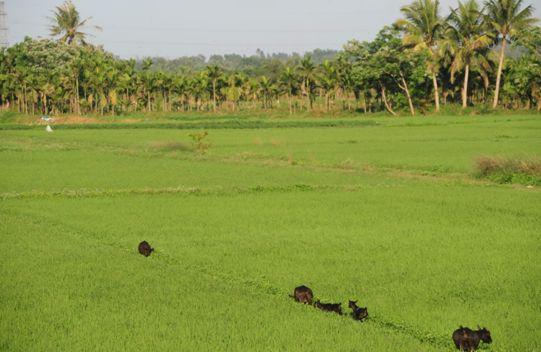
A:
465,339
303,294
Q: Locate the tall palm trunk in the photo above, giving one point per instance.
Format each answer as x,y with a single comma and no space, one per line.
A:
214,95
25,99
499,76
465,89
327,102
77,98
45,104
164,107
436,91
289,102
305,91
365,106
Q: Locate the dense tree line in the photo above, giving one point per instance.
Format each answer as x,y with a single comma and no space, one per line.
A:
255,65
481,55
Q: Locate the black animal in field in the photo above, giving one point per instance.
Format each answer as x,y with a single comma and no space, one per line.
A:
303,294
466,339
145,249
359,313
329,307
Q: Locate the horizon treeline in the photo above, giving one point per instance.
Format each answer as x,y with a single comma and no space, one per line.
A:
258,64
485,55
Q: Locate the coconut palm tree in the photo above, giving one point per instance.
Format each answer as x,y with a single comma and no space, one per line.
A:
148,80
266,90
345,79
466,37
66,23
288,82
307,73
328,80
233,89
199,89
214,73
507,18
423,29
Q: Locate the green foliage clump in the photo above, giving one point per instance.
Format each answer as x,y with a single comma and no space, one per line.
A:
509,170
199,142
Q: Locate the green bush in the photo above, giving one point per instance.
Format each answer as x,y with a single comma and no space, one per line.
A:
509,170
198,142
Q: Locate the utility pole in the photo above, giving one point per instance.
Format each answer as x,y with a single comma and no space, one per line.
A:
3,27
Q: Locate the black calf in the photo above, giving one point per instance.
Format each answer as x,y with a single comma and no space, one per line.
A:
358,313
145,249
329,307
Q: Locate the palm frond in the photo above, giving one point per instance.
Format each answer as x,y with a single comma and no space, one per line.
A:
67,25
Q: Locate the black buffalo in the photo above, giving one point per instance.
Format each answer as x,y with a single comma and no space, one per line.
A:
466,339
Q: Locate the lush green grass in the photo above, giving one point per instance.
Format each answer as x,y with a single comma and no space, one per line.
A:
388,213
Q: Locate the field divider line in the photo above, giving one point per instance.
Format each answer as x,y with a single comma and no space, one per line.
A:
209,125
187,191
265,288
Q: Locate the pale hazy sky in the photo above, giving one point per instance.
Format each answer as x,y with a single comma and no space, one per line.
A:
171,28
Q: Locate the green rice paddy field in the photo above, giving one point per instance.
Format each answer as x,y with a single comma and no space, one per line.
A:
388,213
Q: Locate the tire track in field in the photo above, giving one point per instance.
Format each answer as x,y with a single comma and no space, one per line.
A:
265,288
196,191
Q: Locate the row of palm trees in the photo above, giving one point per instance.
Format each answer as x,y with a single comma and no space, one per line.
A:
46,76
420,55
468,33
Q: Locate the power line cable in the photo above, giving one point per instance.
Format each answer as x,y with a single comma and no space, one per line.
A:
217,30
3,27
